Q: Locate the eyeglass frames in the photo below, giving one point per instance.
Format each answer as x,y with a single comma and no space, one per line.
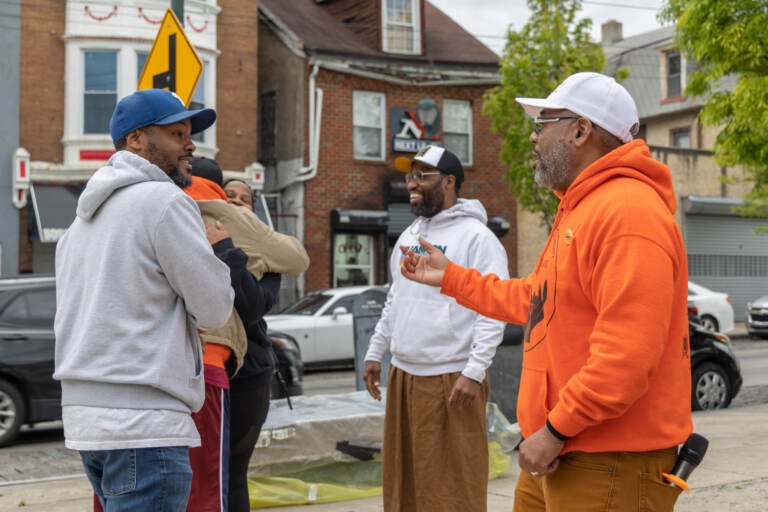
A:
540,121
418,176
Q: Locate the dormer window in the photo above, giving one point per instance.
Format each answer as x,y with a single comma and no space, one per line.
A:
401,26
676,71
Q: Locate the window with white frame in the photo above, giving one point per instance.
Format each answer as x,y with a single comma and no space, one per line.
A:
674,74
401,30
677,69
141,59
369,122
198,95
457,129
99,73
100,90
198,99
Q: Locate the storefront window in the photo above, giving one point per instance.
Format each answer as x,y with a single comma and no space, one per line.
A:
353,260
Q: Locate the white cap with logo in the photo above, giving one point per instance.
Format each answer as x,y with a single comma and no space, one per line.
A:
597,97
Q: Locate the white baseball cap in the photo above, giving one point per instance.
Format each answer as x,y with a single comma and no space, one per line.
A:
597,97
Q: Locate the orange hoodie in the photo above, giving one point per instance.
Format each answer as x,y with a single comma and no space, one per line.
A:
606,350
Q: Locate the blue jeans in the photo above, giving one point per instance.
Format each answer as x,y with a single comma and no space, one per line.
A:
147,479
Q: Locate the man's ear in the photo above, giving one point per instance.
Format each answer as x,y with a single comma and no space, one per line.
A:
583,131
449,183
135,140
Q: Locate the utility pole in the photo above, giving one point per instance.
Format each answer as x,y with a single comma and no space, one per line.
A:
177,6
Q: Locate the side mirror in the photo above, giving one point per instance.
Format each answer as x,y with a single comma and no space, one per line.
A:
341,310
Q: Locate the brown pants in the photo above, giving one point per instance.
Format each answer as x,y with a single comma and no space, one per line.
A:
604,482
435,455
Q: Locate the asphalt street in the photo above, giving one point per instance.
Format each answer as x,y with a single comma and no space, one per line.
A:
40,461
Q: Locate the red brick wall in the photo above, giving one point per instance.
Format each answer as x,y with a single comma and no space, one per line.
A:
343,182
237,87
41,84
41,94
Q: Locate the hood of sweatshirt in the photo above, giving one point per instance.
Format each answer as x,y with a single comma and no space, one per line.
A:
463,208
124,169
631,160
202,189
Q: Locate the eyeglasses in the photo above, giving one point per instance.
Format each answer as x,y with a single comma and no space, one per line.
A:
540,121
418,176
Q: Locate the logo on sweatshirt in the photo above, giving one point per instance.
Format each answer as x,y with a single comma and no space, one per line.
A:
535,313
417,249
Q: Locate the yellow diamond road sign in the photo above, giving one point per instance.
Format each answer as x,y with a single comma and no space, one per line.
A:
172,63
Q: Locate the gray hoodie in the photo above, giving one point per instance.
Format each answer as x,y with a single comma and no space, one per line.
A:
135,277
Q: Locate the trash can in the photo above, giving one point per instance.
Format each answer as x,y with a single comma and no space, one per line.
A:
367,314
504,373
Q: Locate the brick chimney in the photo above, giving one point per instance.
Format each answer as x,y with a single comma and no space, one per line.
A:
611,32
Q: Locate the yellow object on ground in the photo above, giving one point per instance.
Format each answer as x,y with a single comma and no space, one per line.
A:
338,481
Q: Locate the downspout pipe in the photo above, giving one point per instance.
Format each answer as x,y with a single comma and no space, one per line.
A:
315,122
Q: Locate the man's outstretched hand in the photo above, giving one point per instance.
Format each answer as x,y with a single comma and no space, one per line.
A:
424,268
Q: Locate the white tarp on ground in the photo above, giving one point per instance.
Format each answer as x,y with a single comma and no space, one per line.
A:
317,426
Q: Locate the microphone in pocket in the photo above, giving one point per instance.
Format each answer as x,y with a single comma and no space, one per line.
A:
690,456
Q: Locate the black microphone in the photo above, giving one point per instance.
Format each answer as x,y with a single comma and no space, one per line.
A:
688,458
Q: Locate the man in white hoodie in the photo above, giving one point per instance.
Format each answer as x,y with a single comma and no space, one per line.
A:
136,278
435,449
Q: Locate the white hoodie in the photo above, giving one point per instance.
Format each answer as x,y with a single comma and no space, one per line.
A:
426,332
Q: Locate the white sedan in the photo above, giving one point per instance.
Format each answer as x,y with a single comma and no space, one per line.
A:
714,308
323,322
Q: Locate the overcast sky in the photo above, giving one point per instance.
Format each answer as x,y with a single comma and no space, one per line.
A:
488,19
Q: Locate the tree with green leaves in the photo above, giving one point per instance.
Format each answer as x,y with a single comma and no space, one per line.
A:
729,41
552,45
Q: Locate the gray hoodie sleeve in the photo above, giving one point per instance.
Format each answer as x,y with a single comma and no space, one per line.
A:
187,260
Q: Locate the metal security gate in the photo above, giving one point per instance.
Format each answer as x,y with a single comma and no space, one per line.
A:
726,254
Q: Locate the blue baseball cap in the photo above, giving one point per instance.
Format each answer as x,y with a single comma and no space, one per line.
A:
155,106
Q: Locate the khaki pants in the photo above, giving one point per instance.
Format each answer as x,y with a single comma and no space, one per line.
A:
435,455
604,482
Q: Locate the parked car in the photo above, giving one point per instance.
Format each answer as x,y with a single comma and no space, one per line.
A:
290,368
757,317
323,322
713,308
28,392
715,370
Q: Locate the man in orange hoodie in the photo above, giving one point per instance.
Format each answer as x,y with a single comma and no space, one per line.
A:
605,390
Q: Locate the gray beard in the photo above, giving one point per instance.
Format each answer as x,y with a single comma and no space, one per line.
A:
554,168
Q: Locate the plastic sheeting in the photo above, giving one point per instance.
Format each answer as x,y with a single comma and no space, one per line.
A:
328,449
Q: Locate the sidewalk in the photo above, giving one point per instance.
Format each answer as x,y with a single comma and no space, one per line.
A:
733,475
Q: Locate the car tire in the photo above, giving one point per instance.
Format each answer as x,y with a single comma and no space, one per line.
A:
709,323
711,387
13,410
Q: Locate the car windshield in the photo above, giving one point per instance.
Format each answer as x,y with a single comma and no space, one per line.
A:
308,305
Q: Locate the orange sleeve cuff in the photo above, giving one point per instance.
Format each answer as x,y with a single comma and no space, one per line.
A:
216,355
451,276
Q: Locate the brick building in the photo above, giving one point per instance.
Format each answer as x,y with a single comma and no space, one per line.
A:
347,86
78,58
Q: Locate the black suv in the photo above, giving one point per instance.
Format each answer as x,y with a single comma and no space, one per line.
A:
28,392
